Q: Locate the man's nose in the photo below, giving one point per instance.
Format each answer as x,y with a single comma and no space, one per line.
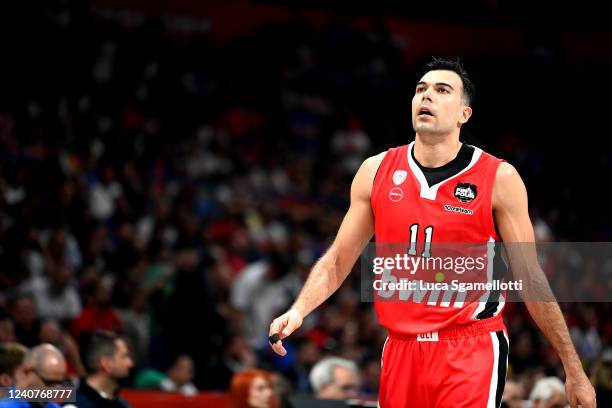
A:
427,94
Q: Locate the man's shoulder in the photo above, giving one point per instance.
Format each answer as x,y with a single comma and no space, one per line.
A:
88,397
374,161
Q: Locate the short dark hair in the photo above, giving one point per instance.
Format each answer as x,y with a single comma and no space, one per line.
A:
455,65
11,356
101,344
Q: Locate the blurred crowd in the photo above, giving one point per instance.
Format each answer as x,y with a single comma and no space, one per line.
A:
177,191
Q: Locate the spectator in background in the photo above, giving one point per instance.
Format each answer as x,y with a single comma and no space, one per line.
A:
43,366
99,313
11,358
602,379
180,377
104,193
260,290
108,361
513,393
27,324
252,389
136,324
335,378
548,392
7,328
53,295
236,356
51,332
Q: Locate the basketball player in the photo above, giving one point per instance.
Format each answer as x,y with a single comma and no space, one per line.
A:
404,191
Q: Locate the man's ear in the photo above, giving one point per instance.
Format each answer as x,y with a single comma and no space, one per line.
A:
5,380
466,114
106,364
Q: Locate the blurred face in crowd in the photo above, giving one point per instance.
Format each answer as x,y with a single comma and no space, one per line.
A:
50,332
260,393
7,330
119,365
438,105
104,291
345,385
24,312
60,278
557,400
513,394
182,371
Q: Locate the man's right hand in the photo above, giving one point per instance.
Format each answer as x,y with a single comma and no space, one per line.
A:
283,326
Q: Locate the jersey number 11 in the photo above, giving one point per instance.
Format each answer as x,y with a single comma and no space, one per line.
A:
414,230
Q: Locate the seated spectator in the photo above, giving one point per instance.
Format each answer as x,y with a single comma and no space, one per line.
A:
43,366
108,361
27,323
51,332
53,295
236,356
7,328
99,313
548,392
11,358
513,393
335,378
180,376
252,389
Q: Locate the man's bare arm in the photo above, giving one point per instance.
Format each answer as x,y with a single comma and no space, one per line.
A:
330,271
511,214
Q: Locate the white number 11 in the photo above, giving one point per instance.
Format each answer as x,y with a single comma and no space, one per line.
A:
414,230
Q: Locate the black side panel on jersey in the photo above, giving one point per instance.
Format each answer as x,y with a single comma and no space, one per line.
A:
499,271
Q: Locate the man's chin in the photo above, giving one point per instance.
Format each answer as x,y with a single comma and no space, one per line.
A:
425,129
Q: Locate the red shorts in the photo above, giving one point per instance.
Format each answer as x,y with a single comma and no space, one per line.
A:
462,366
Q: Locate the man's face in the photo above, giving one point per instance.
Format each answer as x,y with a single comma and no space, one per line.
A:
120,363
51,374
557,400
438,106
513,394
182,371
345,385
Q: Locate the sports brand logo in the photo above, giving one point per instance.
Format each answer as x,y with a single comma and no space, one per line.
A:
465,192
399,177
396,194
460,210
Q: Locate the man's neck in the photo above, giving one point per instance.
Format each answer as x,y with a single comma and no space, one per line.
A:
103,384
435,151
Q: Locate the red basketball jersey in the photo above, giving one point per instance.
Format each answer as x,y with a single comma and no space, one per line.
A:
457,209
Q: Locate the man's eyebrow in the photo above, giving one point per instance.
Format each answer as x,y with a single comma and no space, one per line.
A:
437,83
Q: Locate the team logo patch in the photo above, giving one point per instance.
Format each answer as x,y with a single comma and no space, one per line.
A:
396,194
399,177
465,192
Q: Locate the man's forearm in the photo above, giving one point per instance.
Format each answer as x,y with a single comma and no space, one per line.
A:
549,319
324,279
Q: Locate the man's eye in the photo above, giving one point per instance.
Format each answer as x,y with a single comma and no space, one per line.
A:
420,89
443,90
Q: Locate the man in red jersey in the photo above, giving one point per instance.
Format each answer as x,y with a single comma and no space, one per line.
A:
439,190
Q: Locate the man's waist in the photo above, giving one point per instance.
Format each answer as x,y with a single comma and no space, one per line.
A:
492,324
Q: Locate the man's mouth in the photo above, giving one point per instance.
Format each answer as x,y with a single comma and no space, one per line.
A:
424,111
